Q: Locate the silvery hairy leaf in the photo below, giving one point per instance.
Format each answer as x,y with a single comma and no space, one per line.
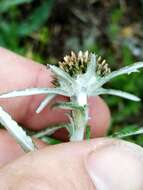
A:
125,70
60,73
117,93
45,102
16,131
66,86
34,91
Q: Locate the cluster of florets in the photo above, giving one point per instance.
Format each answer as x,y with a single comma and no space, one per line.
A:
102,67
76,64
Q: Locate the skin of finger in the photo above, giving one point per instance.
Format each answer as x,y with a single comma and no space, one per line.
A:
57,167
19,73
99,115
58,164
10,150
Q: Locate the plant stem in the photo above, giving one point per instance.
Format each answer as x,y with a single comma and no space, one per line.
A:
78,135
80,117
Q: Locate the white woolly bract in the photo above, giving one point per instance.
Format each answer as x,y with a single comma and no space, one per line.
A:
16,131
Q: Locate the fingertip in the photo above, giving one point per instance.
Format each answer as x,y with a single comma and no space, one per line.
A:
103,166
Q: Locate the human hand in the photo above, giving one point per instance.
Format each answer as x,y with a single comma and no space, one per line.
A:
101,163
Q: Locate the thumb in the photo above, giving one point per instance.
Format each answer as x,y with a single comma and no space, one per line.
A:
102,164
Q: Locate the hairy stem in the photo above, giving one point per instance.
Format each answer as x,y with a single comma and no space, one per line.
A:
80,117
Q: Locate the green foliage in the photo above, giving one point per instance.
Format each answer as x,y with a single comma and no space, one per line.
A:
130,83
14,31
36,19
114,26
130,130
5,5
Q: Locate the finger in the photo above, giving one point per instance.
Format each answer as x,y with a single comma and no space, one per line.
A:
99,115
10,150
101,164
17,72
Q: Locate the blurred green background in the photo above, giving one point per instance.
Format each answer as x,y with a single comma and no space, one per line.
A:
48,29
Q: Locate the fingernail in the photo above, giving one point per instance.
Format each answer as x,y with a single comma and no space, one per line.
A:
118,166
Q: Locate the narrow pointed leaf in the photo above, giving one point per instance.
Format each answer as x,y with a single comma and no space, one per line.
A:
45,102
48,131
33,91
88,133
60,73
124,70
69,106
50,140
118,93
128,131
16,131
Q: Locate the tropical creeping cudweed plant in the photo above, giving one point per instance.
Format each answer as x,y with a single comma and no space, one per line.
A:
78,77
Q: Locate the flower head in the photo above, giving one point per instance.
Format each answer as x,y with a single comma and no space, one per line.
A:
102,68
76,64
83,73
